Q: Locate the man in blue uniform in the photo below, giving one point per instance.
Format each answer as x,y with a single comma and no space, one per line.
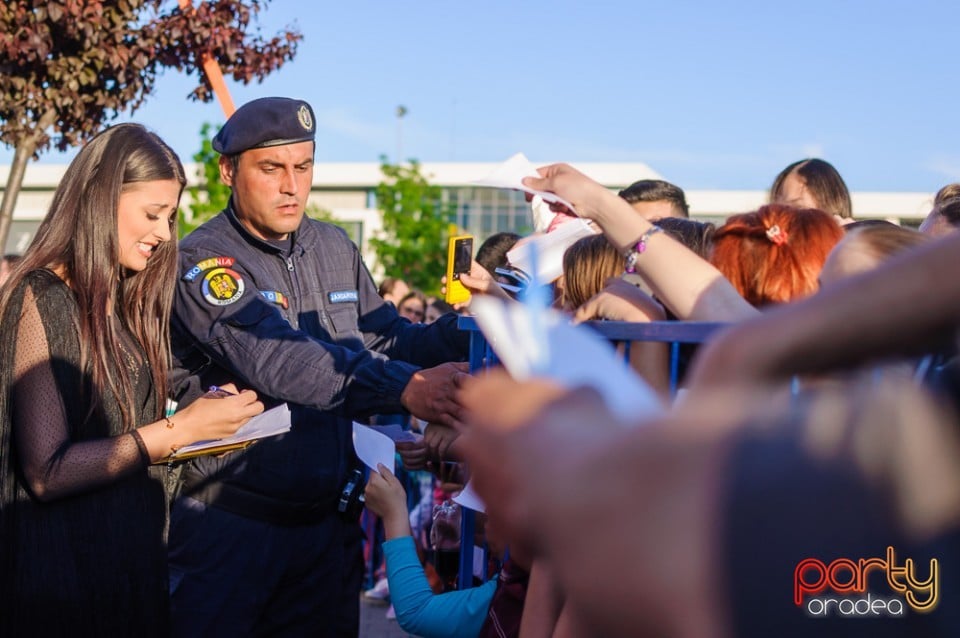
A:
283,304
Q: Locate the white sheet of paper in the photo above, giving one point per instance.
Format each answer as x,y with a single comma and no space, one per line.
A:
542,215
479,564
570,355
469,499
550,248
269,423
373,447
510,174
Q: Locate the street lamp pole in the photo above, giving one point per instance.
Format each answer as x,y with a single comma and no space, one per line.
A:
401,111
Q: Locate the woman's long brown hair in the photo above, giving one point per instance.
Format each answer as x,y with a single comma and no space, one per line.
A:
78,240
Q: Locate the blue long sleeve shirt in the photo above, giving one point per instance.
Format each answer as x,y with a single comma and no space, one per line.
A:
455,614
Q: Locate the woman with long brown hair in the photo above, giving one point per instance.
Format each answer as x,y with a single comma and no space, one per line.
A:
84,350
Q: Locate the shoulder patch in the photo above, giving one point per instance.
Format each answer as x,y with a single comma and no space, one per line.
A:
343,296
207,264
275,296
222,286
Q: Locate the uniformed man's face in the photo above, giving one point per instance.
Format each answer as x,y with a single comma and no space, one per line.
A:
270,187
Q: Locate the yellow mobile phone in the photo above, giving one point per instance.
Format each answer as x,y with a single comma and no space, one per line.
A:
459,260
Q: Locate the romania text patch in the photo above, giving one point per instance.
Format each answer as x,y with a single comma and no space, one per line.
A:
222,286
207,264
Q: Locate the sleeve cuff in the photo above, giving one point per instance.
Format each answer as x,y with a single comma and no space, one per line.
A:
144,454
396,376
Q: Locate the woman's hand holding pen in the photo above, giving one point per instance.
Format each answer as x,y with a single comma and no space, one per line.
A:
218,413
215,415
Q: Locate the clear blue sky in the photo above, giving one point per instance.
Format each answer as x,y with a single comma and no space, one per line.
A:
709,94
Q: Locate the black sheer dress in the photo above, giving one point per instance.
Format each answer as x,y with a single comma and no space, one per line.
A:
81,521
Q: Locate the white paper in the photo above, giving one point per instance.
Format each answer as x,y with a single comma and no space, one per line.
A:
570,355
269,423
542,215
510,174
373,447
549,248
468,498
479,563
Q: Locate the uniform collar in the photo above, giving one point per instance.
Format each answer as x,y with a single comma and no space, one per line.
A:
297,238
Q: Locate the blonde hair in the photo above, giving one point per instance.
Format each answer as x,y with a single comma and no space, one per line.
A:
587,265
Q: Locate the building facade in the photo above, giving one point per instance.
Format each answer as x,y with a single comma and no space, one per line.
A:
348,192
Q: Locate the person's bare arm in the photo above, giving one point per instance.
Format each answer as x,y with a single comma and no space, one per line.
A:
691,287
542,604
907,306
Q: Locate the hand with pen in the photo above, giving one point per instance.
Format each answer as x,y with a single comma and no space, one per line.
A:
215,415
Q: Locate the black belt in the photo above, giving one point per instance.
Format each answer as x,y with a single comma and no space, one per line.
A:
261,508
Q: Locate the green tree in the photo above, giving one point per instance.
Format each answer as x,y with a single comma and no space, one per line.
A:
67,67
209,196
416,226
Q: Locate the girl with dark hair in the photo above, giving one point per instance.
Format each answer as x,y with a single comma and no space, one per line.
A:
812,183
84,349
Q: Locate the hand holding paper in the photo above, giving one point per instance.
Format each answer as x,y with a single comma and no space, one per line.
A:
373,447
510,174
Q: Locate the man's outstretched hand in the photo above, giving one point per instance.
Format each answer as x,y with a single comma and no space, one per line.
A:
430,394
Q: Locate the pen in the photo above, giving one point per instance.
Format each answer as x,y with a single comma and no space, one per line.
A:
214,389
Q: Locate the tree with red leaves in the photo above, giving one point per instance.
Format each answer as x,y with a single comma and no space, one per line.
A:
67,67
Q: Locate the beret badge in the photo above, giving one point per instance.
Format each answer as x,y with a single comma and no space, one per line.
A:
303,114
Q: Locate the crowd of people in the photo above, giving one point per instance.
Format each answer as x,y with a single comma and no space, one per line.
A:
819,427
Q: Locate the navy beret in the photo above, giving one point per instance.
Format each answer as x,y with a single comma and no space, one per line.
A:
268,121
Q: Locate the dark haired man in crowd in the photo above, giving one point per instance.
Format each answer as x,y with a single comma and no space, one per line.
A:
656,199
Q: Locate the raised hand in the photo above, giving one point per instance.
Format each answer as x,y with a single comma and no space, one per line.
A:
385,497
572,185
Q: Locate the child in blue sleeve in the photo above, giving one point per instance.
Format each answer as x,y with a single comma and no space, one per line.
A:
454,614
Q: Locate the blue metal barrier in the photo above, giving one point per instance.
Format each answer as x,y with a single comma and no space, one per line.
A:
672,332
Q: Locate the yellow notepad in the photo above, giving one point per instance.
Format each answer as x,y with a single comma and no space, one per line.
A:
270,423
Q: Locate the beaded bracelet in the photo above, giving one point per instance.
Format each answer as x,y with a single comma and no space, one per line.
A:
638,249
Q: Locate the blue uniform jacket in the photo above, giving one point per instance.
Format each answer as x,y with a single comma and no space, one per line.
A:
307,328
